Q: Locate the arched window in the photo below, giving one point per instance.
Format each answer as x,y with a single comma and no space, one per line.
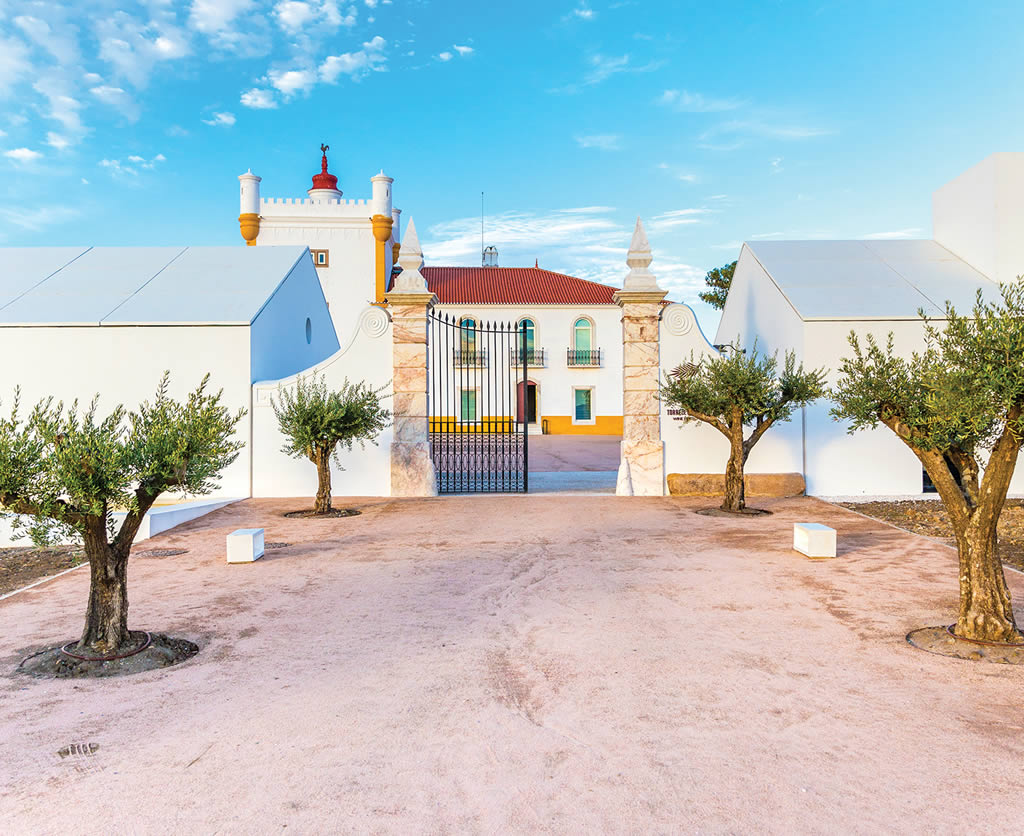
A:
531,333
467,327
583,335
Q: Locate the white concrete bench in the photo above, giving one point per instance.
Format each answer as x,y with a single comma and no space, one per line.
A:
814,539
245,545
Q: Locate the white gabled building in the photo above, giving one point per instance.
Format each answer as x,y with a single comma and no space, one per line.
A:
807,296
77,321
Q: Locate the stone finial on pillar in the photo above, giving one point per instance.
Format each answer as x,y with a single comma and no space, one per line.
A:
412,469
642,456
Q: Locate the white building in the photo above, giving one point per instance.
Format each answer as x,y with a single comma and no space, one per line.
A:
806,296
77,321
573,325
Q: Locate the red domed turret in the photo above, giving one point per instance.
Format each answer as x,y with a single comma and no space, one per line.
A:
324,184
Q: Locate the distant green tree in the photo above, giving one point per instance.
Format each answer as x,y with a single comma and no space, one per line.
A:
316,422
719,280
63,473
959,407
732,391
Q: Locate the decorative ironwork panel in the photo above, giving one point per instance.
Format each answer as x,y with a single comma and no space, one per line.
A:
582,357
477,405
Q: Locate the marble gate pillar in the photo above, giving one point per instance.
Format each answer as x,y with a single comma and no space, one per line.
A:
412,470
642,455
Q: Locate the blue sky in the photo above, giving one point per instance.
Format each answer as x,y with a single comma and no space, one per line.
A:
127,123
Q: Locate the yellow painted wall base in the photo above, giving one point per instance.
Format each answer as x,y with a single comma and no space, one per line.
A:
603,425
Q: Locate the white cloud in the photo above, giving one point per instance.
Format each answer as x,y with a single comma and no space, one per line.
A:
57,141
63,107
776,165
22,155
225,119
445,56
333,17
606,142
584,13
687,177
258,99
117,98
293,15
355,64
116,167
211,16
14,64
291,82
371,3
733,134
463,50
894,235
687,102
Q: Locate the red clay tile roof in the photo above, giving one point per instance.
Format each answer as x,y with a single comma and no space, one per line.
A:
512,286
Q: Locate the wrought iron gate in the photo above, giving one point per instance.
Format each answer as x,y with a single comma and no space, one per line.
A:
476,405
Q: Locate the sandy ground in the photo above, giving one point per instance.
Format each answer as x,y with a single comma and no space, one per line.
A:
519,665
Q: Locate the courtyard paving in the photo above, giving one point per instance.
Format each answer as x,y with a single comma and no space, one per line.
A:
520,664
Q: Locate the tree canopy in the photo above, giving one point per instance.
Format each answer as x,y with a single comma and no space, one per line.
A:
719,280
317,421
959,406
733,390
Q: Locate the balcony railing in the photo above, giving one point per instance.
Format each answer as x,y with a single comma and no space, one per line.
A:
472,358
579,357
534,357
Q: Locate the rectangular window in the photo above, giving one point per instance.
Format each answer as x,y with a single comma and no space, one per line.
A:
320,258
584,399
468,405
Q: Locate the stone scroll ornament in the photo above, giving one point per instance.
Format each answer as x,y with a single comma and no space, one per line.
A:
678,320
374,322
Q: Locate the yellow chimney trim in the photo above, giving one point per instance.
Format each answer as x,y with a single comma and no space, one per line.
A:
249,225
382,225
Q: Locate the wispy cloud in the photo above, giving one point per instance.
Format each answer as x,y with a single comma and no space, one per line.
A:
894,235
687,102
602,67
36,219
581,241
132,165
462,50
676,217
735,133
445,56
225,119
605,142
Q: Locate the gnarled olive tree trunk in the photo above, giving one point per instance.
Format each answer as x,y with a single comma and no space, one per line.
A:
986,611
321,457
735,493
106,616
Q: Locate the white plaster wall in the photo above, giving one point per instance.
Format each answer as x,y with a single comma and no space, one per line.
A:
349,282
870,462
279,346
979,216
554,324
367,472
757,310
124,364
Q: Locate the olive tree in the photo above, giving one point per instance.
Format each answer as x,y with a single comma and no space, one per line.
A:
958,406
64,473
317,421
733,390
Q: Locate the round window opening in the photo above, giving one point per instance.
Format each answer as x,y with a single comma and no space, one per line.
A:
309,330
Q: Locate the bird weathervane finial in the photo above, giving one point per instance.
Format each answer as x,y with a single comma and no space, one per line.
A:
323,160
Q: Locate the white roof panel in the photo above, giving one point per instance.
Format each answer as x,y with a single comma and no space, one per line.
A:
140,285
849,280
22,268
223,285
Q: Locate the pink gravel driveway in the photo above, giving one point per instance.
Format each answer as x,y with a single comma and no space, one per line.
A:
520,665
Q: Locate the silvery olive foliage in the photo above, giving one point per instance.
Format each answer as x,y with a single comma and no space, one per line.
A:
61,467
315,419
